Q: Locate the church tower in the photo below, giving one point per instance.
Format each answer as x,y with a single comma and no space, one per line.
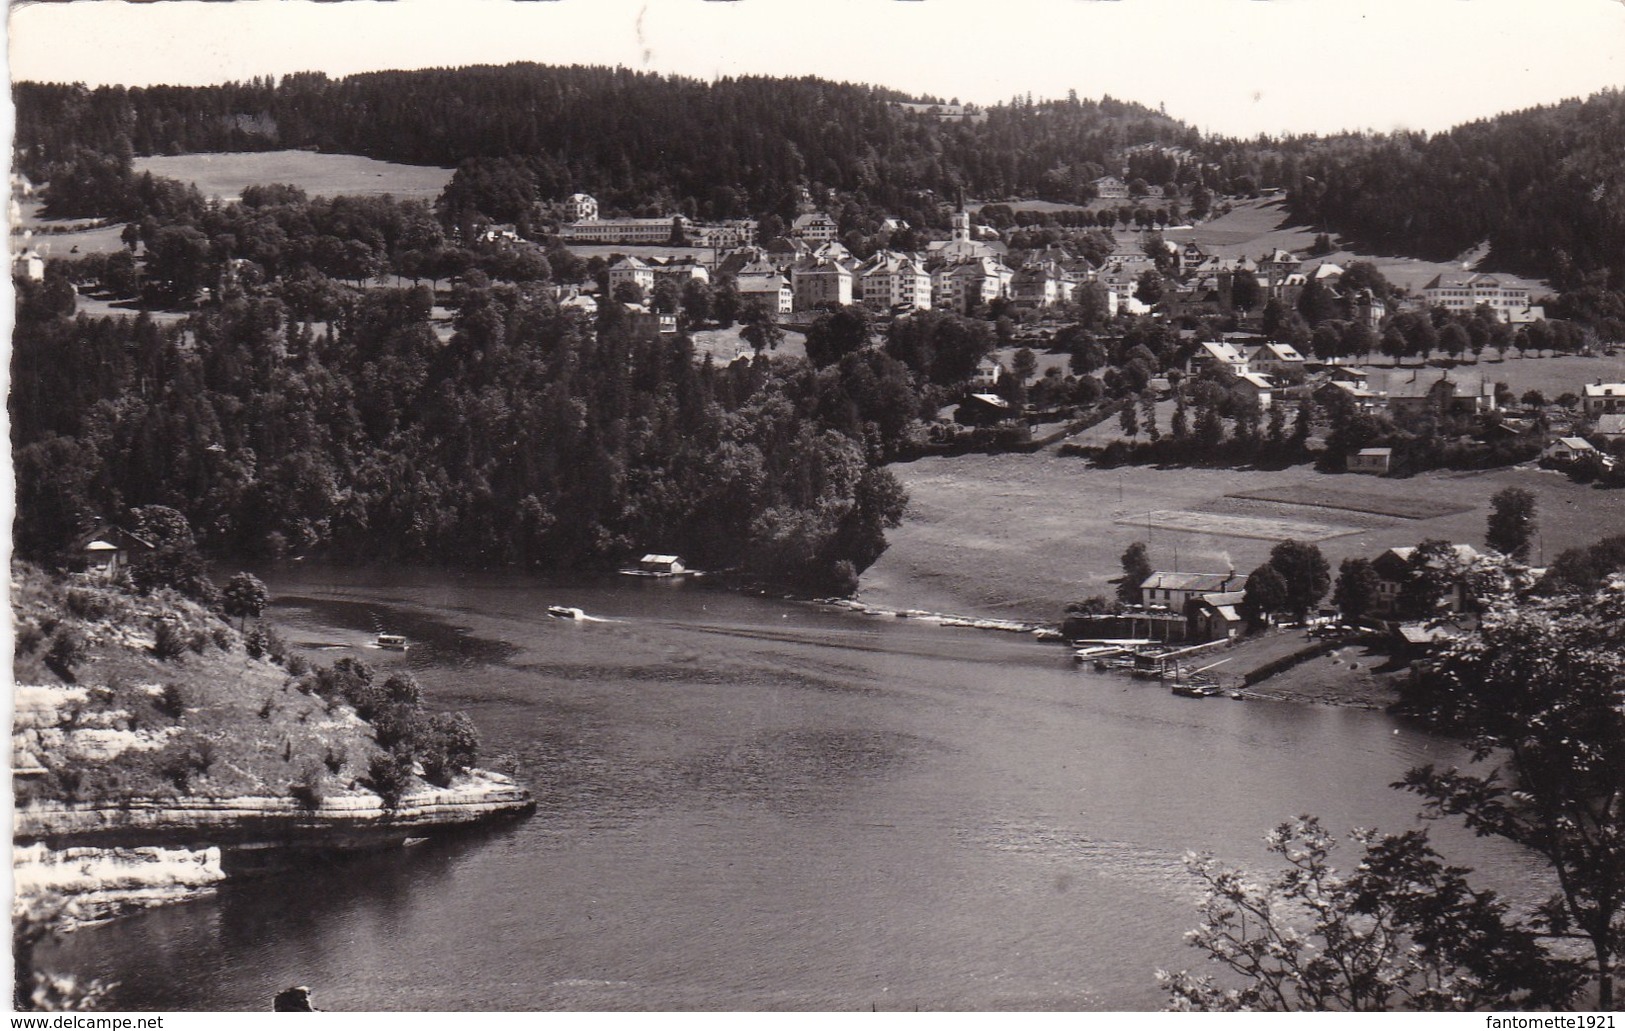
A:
961,221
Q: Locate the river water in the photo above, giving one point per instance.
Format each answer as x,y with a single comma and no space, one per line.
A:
754,804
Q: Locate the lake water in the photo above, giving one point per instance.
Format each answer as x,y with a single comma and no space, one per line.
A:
753,804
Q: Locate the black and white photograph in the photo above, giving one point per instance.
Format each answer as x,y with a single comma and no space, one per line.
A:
788,507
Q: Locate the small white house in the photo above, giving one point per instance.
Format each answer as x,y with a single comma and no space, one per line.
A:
1259,387
660,564
1568,449
987,375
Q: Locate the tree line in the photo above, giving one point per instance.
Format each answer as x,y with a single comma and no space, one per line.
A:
1537,185
531,437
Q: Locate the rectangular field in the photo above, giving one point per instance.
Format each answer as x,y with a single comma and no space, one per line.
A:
319,175
1251,527
1316,496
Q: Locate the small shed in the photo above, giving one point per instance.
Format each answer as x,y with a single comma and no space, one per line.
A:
660,564
1373,460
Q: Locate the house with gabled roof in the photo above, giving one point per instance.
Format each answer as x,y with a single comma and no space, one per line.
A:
1276,267
1566,450
1272,359
1602,398
1110,187
782,250
1215,617
1218,354
1393,569
890,280
964,285
108,550
1611,427
1259,388
1448,394
1174,590
819,283
760,283
631,270
818,227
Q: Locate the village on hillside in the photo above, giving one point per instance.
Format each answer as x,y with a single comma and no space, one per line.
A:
773,455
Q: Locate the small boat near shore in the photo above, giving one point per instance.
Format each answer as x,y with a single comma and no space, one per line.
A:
391,642
1188,690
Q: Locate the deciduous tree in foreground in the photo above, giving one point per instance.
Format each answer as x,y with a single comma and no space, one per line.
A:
1403,931
1540,689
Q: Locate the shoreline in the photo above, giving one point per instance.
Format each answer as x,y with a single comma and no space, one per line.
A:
111,860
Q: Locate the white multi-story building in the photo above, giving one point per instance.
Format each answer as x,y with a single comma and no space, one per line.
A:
769,290
580,207
631,270
891,280
964,285
820,282
1109,187
626,230
1463,292
817,226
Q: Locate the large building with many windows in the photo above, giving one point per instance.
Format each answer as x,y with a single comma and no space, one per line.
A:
1463,292
627,230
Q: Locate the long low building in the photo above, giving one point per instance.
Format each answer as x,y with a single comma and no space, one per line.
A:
626,230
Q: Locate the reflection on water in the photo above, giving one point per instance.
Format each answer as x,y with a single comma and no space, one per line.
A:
752,804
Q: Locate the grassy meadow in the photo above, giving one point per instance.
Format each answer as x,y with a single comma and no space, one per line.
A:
319,175
1019,536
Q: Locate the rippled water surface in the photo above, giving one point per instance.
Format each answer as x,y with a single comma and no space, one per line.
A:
751,804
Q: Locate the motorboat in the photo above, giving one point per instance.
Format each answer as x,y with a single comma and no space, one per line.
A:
1196,690
392,642
565,612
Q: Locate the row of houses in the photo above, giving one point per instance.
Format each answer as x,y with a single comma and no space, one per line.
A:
969,269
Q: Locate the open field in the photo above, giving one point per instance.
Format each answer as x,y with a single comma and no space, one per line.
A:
1006,356
1019,536
319,175
1224,524
1254,227
723,345
102,307
642,251
61,237
1314,495
1551,375
1035,205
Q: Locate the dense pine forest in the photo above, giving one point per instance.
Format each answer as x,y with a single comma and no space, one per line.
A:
733,148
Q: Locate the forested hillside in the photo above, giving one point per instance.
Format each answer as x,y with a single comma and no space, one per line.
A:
1543,186
531,438
637,141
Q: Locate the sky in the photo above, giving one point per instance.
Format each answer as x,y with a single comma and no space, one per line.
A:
1235,67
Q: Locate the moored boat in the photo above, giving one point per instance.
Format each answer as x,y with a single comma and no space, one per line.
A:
1196,690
